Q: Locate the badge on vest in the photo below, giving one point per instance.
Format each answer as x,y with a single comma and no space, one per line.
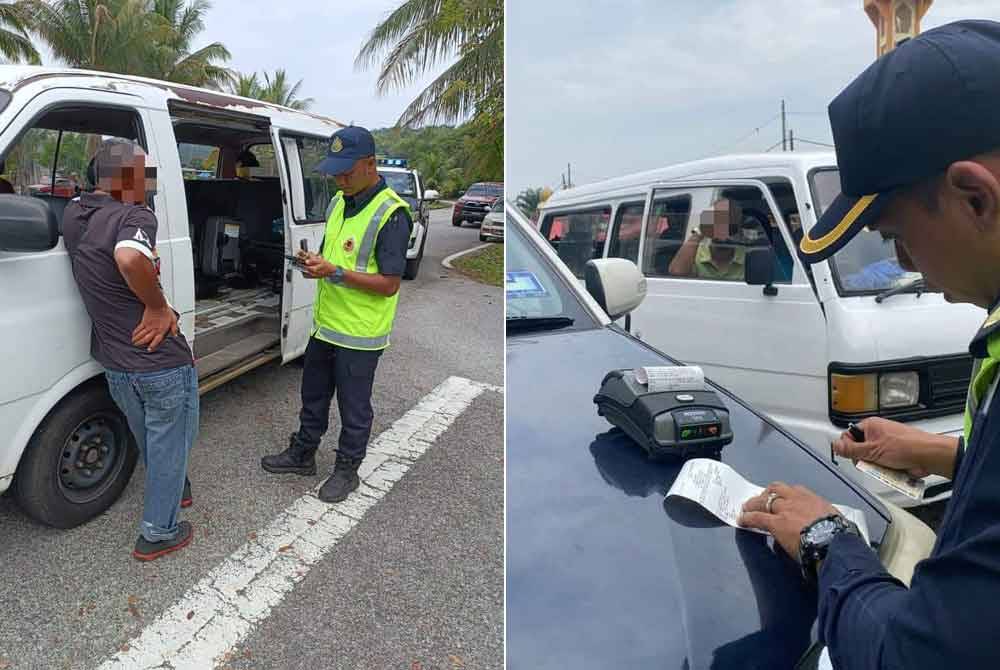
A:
349,245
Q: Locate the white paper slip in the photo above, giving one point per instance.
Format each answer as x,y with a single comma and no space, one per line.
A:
824,660
722,491
899,480
671,378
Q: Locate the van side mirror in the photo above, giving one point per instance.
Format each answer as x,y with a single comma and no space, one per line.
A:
431,194
27,224
616,284
759,269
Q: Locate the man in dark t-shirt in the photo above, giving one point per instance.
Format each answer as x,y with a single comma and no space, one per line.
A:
110,236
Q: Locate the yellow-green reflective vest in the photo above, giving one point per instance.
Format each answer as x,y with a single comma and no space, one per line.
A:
986,348
350,317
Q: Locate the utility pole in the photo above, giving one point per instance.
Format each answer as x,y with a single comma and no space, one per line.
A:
569,176
791,139
783,131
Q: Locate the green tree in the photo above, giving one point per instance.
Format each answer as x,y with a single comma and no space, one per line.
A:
245,85
421,34
279,90
15,44
140,37
530,199
171,58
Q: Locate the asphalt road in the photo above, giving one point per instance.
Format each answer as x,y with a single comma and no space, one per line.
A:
417,583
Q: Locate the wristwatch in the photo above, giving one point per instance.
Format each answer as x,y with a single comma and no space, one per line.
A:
815,539
338,276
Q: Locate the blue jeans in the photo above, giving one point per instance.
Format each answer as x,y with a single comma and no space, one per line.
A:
162,411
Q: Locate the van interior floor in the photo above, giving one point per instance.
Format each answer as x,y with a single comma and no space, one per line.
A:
233,326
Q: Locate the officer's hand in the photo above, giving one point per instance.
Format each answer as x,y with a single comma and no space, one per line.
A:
317,267
154,327
794,508
890,444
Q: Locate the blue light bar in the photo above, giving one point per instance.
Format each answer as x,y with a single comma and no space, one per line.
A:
391,162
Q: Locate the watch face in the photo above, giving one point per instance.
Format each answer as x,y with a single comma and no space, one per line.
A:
823,531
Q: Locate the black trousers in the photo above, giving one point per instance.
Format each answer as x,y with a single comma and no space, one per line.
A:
348,373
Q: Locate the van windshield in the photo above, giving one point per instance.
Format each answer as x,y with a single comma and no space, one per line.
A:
867,264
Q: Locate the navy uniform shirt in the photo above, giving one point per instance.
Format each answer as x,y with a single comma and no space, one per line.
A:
94,226
394,237
948,617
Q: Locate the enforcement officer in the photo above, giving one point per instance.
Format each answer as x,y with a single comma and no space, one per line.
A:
359,268
918,146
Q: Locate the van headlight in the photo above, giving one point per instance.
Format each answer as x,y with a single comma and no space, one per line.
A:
898,389
874,391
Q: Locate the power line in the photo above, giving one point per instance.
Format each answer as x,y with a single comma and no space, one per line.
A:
747,135
775,145
821,144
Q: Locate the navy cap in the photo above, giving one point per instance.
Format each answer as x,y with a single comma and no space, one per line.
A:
347,146
929,102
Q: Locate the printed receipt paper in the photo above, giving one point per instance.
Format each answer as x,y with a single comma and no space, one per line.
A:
722,491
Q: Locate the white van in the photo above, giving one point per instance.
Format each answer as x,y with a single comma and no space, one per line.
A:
66,451
814,347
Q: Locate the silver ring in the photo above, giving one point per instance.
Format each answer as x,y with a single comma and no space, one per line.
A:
771,497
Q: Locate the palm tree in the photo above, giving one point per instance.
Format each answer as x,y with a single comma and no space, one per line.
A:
131,37
277,90
420,34
15,45
530,199
171,58
245,85
108,35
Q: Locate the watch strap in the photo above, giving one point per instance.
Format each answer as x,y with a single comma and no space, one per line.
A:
811,553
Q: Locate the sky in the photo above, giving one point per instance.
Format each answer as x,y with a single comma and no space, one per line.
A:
313,41
614,87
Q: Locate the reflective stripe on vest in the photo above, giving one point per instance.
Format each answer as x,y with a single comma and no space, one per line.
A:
332,206
333,337
368,241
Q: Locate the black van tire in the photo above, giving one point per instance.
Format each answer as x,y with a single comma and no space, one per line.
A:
38,487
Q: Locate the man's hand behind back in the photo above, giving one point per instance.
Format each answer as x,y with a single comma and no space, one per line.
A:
156,324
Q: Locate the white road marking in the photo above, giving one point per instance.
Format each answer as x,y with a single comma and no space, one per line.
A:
222,609
447,262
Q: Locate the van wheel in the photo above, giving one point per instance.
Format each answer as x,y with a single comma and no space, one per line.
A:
413,264
78,461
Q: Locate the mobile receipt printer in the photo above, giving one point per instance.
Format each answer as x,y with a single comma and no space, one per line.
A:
667,410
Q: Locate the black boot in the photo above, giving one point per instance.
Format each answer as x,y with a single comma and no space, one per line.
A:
296,459
343,480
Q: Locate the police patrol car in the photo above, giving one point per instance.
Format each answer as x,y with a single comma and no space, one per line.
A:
406,183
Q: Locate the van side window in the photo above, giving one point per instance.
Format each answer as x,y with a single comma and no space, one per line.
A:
626,233
577,236
722,226
665,233
319,189
198,161
49,161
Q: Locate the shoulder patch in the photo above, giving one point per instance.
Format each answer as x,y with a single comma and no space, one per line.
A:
142,237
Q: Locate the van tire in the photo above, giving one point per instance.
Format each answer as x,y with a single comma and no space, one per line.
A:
38,485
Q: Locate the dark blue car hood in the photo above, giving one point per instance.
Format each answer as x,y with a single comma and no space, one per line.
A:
601,572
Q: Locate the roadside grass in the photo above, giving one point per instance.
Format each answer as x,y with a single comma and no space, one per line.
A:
441,204
484,265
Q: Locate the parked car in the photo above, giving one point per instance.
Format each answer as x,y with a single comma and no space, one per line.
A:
815,347
66,450
492,228
476,202
601,571
407,184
